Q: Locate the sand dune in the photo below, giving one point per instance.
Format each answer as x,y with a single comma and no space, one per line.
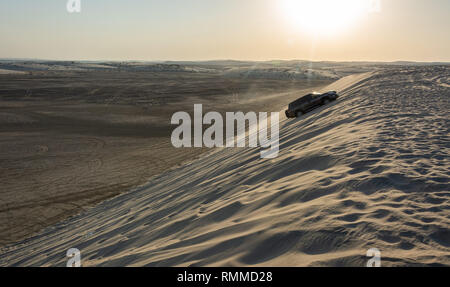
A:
70,140
369,171
7,72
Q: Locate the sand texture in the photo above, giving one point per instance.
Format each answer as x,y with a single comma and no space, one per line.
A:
370,170
69,140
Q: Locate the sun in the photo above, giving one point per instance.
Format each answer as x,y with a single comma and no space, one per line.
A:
323,17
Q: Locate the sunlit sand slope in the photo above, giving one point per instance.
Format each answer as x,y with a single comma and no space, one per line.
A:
368,171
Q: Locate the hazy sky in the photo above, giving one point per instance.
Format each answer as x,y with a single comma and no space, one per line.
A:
222,29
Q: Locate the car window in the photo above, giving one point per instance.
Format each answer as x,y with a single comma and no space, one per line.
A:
300,101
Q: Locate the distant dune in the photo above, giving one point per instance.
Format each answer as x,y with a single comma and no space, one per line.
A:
277,69
3,72
368,171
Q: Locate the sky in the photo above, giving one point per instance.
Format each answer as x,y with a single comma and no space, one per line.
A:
157,30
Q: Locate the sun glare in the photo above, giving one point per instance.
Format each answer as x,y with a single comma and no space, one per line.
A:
320,17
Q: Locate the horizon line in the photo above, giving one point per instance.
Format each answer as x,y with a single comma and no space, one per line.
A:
224,60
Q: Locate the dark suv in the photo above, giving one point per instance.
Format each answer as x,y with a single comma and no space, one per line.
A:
309,102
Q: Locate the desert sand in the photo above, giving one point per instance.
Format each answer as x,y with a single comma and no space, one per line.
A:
7,72
75,134
369,171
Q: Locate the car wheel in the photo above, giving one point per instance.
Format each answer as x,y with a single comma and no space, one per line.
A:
299,114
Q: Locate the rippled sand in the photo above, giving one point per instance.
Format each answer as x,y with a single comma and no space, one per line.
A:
368,171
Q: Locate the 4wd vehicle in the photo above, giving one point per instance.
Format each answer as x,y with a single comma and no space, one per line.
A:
309,102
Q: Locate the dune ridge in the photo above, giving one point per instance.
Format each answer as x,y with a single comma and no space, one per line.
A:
368,171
